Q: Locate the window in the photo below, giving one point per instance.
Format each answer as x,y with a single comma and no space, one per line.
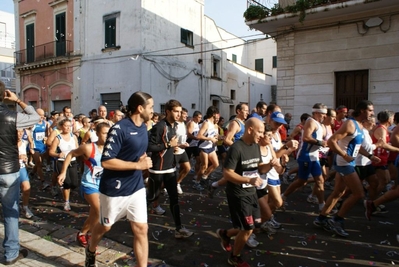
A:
111,34
274,94
216,67
234,58
60,34
111,101
193,106
233,94
259,64
30,43
351,87
274,62
186,37
163,109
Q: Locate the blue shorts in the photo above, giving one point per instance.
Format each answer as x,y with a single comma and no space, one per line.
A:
273,182
208,150
88,191
305,168
344,170
41,150
23,175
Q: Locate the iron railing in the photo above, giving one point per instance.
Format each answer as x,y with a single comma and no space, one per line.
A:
43,52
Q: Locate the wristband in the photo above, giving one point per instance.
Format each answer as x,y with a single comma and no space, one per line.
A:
370,156
319,143
285,147
18,101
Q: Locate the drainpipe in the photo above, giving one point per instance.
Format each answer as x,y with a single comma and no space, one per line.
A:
201,95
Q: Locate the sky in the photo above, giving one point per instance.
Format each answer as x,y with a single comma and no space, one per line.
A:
228,14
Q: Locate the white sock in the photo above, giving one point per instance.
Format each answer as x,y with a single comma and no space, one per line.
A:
215,184
321,206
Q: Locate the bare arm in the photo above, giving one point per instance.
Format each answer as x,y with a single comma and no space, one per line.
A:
231,131
233,177
115,164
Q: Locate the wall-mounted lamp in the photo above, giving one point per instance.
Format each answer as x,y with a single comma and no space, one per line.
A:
373,22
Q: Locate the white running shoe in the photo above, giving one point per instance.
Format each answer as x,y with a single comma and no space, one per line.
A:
28,213
67,206
183,233
251,242
179,190
158,210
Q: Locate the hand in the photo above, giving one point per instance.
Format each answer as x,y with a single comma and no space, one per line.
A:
285,159
274,162
348,158
184,145
145,162
256,181
173,141
324,143
61,179
375,159
61,155
293,144
8,95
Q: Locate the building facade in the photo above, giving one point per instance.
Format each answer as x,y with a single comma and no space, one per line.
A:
341,53
7,48
44,57
168,49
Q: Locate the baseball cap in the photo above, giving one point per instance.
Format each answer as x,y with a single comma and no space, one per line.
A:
278,117
55,112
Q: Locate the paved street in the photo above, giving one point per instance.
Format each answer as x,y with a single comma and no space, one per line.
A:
298,243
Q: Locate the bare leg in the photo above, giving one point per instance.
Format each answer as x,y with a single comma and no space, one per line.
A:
140,243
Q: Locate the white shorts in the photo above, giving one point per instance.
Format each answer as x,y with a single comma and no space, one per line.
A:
134,207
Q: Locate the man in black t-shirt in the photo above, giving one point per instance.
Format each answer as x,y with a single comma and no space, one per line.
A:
242,175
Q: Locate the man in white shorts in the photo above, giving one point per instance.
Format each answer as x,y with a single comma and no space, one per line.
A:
122,191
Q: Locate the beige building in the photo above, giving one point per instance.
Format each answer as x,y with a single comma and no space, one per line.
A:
342,52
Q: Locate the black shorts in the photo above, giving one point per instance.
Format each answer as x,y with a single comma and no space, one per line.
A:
244,211
261,192
192,151
181,158
324,162
221,149
365,171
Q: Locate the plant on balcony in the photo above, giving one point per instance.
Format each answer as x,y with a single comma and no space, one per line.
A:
255,12
259,12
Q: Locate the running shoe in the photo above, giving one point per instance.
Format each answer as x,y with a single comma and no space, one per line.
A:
158,210
380,209
48,168
82,239
275,224
211,190
322,223
251,242
369,209
224,240
67,206
28,213
90,260
328,185
268,228
179,190
198,186
237,261
45,185
338,227
183,233
312,199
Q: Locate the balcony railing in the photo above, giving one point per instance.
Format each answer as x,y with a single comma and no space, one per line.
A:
43,52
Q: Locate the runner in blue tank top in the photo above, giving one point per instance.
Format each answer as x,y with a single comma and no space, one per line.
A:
346,143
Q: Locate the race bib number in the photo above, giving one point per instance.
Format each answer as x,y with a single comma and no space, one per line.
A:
356,150
250,174
97,172
39,136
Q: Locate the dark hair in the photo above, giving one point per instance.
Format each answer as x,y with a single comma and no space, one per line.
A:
138,98
396,118
319,106
260,104
197,113
362,105
270,108
239,106
305,116
329,110
268,128
155,115
102,125
63,121
171,104
212,110
184,110
66,107
2,90
383,116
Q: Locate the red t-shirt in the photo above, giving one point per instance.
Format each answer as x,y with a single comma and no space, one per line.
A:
379,151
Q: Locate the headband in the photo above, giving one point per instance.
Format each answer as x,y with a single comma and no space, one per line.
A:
342,109
321,110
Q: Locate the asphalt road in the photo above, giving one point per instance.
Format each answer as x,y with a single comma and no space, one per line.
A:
298,243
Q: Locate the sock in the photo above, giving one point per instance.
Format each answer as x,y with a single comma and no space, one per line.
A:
24,207
215,184
321,206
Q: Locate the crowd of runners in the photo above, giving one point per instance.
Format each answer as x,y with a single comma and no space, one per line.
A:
124,161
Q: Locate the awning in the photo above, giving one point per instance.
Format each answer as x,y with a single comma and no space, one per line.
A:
225,99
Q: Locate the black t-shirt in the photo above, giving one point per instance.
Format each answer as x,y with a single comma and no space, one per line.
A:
244,160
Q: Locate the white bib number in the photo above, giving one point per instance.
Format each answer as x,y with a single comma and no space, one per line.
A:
40,136
251,175
356,150
97,172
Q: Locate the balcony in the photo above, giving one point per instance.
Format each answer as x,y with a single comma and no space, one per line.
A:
44,55
297,14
